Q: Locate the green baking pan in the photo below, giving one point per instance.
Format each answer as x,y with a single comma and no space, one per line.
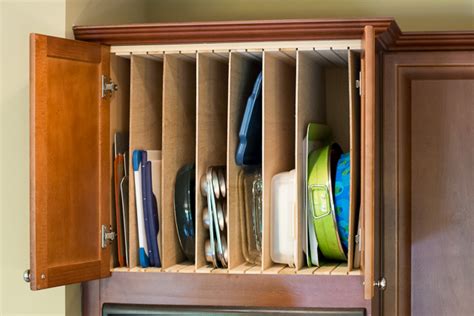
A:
322,170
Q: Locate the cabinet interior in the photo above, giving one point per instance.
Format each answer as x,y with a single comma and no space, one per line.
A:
189,103
179,143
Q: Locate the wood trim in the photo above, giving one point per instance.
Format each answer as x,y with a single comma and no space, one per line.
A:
429,41
389,36
37,48
232,31
377,300
263,290
73,272
73,50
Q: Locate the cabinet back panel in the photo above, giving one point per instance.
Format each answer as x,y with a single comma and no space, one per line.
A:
279,77
337,104
120,102
119,122
310,108
243,70
179,143
211,143
145,128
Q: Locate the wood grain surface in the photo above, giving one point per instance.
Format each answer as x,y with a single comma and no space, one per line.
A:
234,31
70,162
427,129
369,161
389,36
278,114
119,120
179,143
195,289
243,70
145,128
211,135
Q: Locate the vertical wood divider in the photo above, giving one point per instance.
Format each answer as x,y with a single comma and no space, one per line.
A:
145,127
278,133
179,138
200,259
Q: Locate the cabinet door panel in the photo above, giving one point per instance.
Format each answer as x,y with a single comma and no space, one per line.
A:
69,168
428,154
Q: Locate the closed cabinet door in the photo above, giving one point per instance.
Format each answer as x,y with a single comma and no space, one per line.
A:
428,173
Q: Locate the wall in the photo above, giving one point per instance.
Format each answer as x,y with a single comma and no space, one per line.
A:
411,15
93,12
17,19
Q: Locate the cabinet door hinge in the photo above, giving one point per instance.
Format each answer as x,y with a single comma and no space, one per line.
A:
358,84
358,240
107,236
108,87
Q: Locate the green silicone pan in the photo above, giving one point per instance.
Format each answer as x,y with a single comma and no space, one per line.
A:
322,167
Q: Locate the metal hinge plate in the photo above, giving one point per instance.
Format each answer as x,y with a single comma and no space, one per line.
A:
108,87
358,84
107,236
358,239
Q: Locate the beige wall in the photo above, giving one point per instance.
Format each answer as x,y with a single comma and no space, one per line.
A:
96,12
17,19
411,15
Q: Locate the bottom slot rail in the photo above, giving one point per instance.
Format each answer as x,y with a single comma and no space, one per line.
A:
333,269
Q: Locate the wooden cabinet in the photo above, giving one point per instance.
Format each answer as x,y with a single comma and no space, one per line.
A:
179,90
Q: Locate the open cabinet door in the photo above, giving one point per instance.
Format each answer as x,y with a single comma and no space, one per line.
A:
368,159
69,162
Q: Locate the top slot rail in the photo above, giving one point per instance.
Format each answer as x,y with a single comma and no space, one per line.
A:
236,47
